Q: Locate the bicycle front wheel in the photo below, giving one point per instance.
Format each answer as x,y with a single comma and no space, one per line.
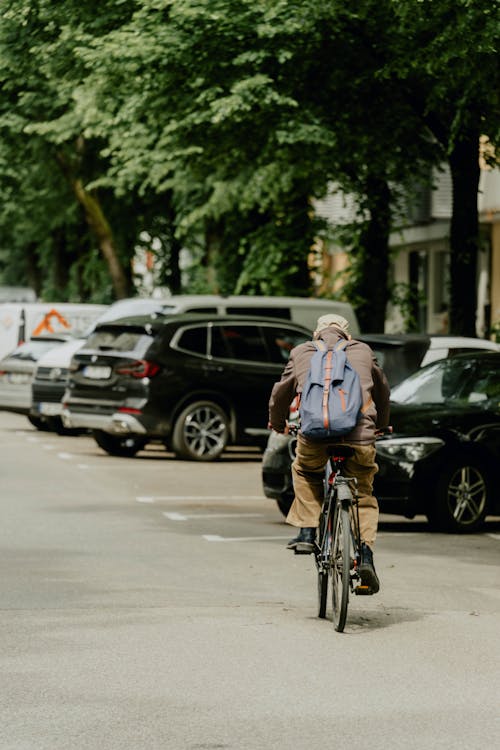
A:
341,566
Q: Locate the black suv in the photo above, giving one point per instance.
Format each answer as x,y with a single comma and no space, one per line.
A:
195,382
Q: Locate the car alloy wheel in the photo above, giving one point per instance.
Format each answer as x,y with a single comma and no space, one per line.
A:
462,497
201,432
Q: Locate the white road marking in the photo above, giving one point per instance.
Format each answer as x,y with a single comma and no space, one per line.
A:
32,439
494,536
48,447
216,538
176,498
83,466
65,456
182,517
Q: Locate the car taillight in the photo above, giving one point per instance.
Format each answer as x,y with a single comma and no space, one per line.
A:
140,368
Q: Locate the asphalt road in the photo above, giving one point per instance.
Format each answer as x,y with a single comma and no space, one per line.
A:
150,603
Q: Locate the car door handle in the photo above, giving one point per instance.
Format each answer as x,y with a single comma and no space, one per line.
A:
212,368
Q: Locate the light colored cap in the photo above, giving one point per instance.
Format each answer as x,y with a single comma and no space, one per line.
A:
332,320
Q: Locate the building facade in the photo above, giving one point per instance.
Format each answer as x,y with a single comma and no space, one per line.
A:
420,256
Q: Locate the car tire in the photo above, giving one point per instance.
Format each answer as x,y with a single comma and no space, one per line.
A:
125,446
201,432
460,503
39,423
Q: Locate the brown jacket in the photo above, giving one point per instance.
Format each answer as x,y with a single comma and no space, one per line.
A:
374,385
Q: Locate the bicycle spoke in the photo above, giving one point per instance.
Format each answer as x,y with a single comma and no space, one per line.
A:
341,565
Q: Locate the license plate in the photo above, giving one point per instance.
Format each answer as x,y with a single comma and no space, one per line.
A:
50,410
97,372
18,378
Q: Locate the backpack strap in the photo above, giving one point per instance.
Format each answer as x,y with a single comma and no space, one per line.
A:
340,345
322,347
320,344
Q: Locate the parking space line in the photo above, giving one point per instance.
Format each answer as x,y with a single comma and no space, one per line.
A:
494,536
65,456
183,517
216,538
176,498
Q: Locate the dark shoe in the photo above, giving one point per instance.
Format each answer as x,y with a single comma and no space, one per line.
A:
366,570
304,542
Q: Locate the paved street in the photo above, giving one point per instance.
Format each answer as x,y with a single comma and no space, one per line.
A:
150,603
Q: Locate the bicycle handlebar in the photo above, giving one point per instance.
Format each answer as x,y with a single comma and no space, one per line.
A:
383,431
293,429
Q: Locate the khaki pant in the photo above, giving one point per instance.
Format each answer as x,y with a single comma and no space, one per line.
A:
308,474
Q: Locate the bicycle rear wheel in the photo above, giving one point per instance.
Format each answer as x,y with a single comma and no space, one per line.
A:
322,593
341,566
325,542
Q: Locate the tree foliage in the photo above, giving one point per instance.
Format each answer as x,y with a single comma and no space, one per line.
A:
214,124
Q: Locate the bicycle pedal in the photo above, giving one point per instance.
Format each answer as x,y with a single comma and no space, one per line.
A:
303,550
363,591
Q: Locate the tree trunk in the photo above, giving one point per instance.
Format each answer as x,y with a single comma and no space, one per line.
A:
372,258
299,237
32,270
98,225
464,235
213,243
102,231
61,262
175,247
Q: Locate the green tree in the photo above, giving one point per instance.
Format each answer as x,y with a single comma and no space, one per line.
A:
247,111
443,58
38,74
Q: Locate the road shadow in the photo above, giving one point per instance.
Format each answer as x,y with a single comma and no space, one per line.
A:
231,455
420,525
361,621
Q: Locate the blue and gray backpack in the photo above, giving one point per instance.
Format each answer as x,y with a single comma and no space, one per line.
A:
331,401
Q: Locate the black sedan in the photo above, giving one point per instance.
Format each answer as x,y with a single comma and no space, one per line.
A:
443,456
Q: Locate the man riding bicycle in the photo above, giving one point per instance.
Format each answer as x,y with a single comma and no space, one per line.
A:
312,455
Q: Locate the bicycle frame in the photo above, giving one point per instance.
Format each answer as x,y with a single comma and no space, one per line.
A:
330,555
336,496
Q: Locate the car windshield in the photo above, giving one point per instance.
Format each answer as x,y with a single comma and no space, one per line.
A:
34,349
460,380
119,340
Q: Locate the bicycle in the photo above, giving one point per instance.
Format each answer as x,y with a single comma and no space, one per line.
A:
337,552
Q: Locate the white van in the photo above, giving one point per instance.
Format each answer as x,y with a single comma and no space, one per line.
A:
20,322
17,294
302,310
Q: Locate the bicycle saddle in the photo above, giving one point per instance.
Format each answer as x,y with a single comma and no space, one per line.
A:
341,451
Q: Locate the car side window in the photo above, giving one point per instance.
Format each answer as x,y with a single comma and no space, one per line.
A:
453,352
194,340
243,342
280,342
486,385
267,312
209,310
